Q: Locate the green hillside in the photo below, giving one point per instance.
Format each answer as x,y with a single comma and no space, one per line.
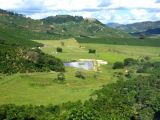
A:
18,53
49,28
65,25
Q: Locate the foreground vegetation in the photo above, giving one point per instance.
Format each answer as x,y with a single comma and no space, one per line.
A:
134,98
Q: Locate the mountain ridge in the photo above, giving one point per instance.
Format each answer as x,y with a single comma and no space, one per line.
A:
148,28
55,27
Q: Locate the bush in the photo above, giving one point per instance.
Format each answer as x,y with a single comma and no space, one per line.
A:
61,76
129,74
118,65
2,41
92,51
147,58
80,74
83,114
59,49
142,36
62,43
130,62
140,70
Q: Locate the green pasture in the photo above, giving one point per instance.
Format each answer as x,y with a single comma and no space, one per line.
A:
44,88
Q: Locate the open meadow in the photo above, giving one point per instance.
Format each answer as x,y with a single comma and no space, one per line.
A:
43,88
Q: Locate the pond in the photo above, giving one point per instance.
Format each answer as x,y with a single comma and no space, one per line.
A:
87,65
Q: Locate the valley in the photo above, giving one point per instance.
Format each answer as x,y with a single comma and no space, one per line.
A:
43,88
67,67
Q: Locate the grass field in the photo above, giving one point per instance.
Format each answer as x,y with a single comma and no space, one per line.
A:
72,50
43,88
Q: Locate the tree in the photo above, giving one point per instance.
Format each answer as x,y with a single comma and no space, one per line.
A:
118,65
92,51
130,62
59,49
83,114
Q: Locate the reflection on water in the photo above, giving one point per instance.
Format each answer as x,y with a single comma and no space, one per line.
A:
87,65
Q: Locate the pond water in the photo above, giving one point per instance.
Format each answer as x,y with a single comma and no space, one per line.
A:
87,65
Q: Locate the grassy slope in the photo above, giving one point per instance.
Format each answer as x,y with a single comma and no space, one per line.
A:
153,42
41,88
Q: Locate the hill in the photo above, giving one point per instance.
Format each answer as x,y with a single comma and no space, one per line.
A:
149,28
66,25
17,52
60,26
149,32
141,26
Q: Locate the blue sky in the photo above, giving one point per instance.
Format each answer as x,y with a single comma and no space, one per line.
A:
119,11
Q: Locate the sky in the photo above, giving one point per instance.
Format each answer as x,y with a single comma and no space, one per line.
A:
106,11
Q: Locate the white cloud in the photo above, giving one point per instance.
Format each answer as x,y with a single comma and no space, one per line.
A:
71,4
122,11
8,4
140,14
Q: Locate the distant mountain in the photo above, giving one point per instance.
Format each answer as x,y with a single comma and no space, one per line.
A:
113,25
66,25
149,28
139,27
149,32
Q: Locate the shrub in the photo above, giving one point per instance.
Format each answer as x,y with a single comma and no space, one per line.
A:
140,70
62,43
142,36
118,65
61,76
80,74
130,62
2,41
59,49
83,114
147,58
129,74
92,51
